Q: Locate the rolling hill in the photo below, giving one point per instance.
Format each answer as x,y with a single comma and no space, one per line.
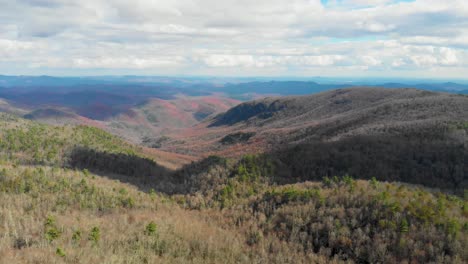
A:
78,194
137,121
332,115
155,118
7,107
403,135
366,108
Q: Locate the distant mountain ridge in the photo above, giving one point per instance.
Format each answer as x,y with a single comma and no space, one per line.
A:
373,104
329,115
165,86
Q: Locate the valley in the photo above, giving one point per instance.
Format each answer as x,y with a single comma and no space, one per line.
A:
353,175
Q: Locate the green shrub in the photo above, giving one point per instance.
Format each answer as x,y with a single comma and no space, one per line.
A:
404,227
151,229
374,183
453,227
51,231
50,221
76,236
59,252
123,191
95,235
327,182
52,234
128,202
347,180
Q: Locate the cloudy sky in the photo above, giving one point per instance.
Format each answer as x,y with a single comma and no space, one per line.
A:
387,38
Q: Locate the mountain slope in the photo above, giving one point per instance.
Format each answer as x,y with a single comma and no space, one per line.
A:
342,218
56,215
30,143
7,107
403,135
77,194
135,117
328,116
156,117
385,105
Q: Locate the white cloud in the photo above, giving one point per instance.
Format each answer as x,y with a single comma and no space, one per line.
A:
459,41
368,2
321,60
375,27
13,49
424,60
239,37
448,57
371,61
223,60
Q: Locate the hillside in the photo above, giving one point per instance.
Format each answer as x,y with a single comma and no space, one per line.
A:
78,194
52,215
7,107
147,115
363,108
83,218
403,135
139,118
148,121
327,116
340,218
29,143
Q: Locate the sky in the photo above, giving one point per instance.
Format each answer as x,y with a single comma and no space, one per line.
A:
365,38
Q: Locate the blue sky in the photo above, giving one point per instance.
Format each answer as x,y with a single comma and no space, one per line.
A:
367,38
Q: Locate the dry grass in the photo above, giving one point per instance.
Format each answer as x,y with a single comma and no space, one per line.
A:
182,235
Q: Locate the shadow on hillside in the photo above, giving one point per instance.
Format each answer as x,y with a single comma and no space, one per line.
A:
438,163
438,159
141,172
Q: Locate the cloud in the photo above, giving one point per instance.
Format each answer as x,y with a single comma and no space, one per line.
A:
375,27
371,61
239,37
260,61
448,57
14,50
460,41
223,60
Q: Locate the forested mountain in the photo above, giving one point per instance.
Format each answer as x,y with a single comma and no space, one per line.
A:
403,135
338,114
353,108
361,175
135,117
216,210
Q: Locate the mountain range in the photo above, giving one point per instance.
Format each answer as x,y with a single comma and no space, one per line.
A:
207,171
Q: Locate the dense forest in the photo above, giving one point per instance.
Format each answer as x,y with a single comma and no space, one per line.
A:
339,217
438,163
